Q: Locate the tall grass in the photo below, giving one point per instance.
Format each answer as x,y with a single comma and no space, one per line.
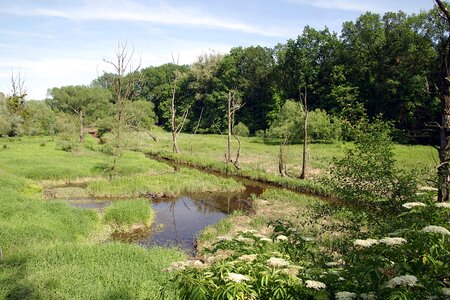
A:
184,181
27,219
84,271
124,214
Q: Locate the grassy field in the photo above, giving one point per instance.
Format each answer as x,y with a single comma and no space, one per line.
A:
259,155
54,251
259,159
40,159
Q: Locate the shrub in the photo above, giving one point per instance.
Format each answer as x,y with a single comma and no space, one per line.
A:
241,129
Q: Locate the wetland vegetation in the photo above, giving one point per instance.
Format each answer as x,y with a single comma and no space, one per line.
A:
299,172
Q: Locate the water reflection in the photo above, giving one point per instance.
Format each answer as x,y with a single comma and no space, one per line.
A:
180,219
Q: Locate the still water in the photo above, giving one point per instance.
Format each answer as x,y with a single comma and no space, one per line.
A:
180,219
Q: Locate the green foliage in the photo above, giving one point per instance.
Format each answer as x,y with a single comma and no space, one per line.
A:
94,102
39,119
367,176
140,115
241,129
288,125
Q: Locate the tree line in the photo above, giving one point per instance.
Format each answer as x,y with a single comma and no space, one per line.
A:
379,65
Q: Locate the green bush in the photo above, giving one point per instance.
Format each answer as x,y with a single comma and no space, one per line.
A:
288,125
241,129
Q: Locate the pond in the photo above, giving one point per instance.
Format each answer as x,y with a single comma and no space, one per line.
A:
180,219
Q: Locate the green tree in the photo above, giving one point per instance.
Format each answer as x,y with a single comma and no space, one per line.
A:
87,103
39,118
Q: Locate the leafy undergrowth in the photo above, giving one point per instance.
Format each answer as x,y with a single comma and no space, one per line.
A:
184,181
409,260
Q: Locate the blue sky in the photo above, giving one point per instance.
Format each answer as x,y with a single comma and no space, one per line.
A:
62,42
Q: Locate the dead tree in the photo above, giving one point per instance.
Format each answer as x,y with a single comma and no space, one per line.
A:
18,93
282,157
123,87
443,170
233,106
176,128
303,99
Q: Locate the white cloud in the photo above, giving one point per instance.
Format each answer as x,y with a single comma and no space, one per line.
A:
353,5
161,13
61,69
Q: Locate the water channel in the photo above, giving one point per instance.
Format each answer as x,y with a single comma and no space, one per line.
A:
180,219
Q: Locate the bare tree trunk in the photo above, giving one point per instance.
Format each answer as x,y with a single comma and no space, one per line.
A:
122,92
228,156
238,153
81,126
199,120
174,131
281,161
444,147
305,136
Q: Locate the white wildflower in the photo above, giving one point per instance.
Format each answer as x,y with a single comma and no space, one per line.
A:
368,296
177,265
427,188
235,277
345,295
446,291
333,264
196,264
224,238
307,239
250,231
259,235
365,243
436,229
277,262
443,204
292,271
264,239
393,241
248,257
244,239
410,205
317,285
282,238
404,280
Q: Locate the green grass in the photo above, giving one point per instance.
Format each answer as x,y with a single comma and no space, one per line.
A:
184,181
260,157
259,160
51,249
126,213
26,157
83,271
27,219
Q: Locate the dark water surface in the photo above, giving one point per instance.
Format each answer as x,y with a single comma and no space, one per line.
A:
180,219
